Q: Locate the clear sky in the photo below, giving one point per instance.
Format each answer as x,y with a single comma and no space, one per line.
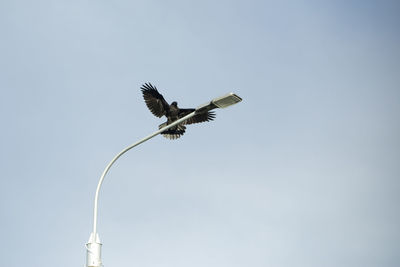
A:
304,172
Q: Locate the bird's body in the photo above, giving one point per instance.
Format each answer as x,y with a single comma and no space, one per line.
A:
159,107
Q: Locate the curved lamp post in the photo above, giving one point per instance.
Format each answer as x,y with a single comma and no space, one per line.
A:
93,247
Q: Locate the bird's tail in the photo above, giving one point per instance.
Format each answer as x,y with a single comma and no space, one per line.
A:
174,132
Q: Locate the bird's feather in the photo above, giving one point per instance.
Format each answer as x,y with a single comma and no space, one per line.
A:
154,100
201,117
174,132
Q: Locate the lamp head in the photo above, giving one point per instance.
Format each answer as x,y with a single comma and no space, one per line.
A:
226,100
219,102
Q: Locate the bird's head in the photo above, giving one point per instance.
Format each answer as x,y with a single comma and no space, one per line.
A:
175,104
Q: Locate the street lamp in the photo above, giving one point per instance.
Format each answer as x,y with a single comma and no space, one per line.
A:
93,246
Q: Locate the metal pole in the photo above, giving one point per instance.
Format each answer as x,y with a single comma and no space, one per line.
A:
93,247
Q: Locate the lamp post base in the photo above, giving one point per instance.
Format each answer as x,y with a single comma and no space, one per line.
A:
93,251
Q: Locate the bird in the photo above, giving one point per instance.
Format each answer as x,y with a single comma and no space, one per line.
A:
160,107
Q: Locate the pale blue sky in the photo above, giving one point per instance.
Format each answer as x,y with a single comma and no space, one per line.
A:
304,172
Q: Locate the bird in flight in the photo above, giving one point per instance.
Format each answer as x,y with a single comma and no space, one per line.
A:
159,107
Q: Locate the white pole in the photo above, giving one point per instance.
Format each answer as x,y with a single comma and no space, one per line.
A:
93,247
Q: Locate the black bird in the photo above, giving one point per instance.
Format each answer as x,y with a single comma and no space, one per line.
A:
159,107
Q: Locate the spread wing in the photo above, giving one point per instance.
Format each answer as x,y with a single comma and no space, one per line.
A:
154,100
201,117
